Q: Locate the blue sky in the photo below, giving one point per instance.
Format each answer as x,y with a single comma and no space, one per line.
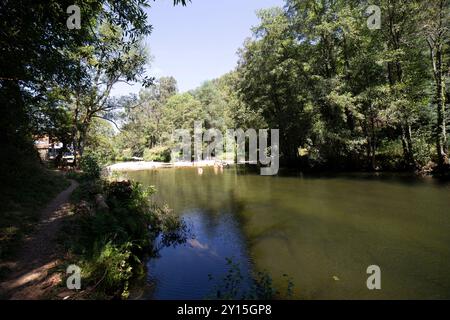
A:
197,42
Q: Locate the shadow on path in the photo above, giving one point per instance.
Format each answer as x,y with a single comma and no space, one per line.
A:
32,278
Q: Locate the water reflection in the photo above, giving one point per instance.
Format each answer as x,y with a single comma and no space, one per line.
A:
316,229
184,271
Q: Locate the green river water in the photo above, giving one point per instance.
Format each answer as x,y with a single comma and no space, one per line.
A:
322,231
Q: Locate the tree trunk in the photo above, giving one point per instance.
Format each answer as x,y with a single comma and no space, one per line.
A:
81,142
408,155
374,146
409,143
371,144
441,133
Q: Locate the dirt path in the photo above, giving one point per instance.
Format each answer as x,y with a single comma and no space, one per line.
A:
31,278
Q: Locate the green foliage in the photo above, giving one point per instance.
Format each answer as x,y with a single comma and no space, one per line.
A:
339,92
112,242
87,190
114,267
390,155
159,154
48,77
272,81
90,166
143,119
100,141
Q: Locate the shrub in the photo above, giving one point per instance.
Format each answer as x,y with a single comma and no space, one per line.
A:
127,154
90,166
111,243
422,150
87,190
390,155
160,154
111,269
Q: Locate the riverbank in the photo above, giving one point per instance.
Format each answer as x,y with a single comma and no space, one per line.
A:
104,227
149,165
110,234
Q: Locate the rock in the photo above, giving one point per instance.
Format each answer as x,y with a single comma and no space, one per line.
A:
100,203
84,208
429,168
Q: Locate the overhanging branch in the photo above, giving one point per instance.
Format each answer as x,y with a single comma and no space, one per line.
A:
112,121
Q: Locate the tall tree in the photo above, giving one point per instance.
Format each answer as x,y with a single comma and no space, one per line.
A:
436,30
112,59
272,81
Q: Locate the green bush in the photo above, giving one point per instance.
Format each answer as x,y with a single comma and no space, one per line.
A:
423,150
111,269
112,242
87,190
126,155
390,155
159,154
90,166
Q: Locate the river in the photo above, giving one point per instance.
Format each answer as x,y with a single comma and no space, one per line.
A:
321,231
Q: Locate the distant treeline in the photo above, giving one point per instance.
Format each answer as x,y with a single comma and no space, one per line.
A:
344,96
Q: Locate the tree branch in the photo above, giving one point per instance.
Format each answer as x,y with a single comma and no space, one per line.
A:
112,121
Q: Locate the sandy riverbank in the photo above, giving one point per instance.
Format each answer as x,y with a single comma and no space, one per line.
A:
147,165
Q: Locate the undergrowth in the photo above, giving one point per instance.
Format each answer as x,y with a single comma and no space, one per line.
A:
110,240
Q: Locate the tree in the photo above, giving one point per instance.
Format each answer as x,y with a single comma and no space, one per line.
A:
180,112
436,31
142,116
237,113
403,58
39,52
272,81
344,96
34,41
213,105
112,59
